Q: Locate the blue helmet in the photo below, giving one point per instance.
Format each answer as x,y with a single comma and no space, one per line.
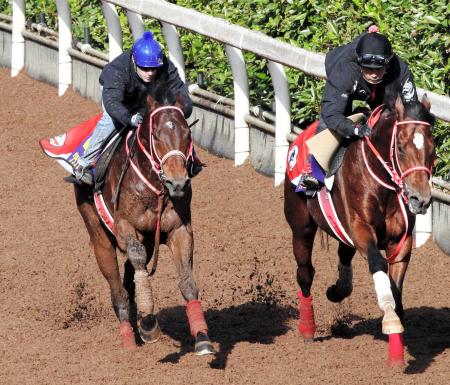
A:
147,52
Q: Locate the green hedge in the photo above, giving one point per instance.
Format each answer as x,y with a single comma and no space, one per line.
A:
419,32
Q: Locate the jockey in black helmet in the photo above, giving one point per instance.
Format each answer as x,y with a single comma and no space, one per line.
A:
125,84
360,70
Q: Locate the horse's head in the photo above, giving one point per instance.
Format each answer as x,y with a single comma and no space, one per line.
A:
170,142
413,151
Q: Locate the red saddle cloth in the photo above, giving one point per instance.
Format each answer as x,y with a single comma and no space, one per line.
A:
67,147
297,162
71,145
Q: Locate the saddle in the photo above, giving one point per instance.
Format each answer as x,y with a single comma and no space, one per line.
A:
68,147
327,144
321,155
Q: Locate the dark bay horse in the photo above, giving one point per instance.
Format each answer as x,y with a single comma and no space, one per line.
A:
148,182
382,184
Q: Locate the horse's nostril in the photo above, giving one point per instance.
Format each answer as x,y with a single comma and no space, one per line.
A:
418,205
176,186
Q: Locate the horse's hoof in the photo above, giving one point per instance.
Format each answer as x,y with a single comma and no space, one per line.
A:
203,345
149,329
396,351
336,296
394,362
307,329
127,336
391,323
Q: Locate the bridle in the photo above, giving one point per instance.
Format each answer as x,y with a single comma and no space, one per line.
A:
393,166
394,169
152,155
157,161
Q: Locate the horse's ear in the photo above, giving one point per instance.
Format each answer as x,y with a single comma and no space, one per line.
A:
179,102
151,103
426,102
399,108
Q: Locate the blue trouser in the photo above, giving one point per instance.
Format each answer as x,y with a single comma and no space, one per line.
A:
103,130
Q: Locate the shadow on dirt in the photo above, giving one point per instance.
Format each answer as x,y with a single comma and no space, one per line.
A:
427,334
252,322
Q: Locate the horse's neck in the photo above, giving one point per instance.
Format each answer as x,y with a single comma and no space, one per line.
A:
354,163
382,134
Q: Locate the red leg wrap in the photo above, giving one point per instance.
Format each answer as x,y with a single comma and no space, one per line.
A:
307,325
395,357
196,318
127,335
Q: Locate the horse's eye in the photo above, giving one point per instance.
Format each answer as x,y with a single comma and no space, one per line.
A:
401,151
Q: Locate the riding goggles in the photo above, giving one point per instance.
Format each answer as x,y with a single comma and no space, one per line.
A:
373,61
148,69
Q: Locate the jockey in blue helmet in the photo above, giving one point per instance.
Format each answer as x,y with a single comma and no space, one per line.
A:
125,83
147,52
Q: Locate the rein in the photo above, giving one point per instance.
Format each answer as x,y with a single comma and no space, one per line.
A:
395,172
157,167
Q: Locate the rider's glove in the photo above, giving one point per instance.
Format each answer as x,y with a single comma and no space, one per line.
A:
362,130
136,119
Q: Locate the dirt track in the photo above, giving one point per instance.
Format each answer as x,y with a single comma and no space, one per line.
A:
57,325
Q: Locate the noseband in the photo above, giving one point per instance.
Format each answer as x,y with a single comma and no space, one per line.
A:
393,167
395,172
152,155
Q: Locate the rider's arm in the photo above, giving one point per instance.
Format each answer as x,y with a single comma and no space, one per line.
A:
409,91
114,86
178,87
335,100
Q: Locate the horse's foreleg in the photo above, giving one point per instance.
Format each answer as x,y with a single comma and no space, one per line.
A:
397,271
149,329
378,267
344,285
391,323
181,243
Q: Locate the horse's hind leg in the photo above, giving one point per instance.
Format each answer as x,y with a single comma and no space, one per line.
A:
303,232
181,243
107,262
343,286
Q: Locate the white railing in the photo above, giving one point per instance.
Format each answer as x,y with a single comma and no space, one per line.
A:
235,39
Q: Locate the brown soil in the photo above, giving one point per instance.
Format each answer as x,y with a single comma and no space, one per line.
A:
57,325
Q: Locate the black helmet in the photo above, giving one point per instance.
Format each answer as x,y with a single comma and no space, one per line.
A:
374,50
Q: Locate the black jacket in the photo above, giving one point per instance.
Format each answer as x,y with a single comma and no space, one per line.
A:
345,83
124,93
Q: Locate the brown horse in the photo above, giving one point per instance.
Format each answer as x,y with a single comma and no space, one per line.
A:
148,182
382,184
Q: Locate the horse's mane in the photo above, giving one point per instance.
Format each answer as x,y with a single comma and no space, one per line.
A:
163,94
413,109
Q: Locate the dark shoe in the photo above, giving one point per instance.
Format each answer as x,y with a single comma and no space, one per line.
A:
309,182
81,175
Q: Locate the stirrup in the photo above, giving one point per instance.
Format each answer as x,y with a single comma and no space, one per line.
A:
81,175
309,182
87,178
